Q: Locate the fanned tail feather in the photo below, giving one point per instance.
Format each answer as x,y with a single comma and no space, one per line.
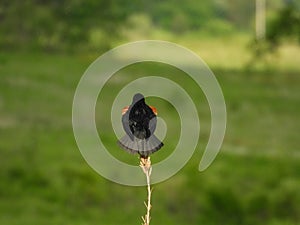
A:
144,147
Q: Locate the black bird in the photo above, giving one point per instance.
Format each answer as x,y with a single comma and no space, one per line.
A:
139,123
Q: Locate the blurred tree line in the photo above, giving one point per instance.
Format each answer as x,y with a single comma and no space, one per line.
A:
57,24
287,21
61,25
283,26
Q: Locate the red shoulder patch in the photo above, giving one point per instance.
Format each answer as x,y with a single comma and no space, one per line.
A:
125,109
154,110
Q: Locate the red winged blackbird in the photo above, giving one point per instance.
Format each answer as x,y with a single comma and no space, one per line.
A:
139,123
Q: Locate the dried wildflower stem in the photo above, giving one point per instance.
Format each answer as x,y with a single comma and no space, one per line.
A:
145,164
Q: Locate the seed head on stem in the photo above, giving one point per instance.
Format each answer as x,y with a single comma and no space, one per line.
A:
145,164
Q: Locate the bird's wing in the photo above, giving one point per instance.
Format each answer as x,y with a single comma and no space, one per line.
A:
125,122
152,124
152,115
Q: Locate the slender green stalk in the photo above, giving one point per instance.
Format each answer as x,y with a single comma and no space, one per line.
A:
145,164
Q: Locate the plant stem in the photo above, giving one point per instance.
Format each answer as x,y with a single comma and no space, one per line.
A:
145,164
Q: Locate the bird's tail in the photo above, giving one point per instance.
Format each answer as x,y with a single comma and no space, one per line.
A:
144,147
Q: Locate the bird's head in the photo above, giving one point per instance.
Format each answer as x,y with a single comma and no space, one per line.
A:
138,97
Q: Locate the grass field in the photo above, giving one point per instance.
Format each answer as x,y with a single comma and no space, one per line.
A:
254,180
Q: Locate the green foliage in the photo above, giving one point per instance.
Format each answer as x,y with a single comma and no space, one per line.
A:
285,25
57,25
97,24
179,17
282,28
68,25
238,13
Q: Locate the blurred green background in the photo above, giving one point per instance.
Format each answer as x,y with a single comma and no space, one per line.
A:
45,47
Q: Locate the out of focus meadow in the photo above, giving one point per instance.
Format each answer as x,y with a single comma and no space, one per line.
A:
45,47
